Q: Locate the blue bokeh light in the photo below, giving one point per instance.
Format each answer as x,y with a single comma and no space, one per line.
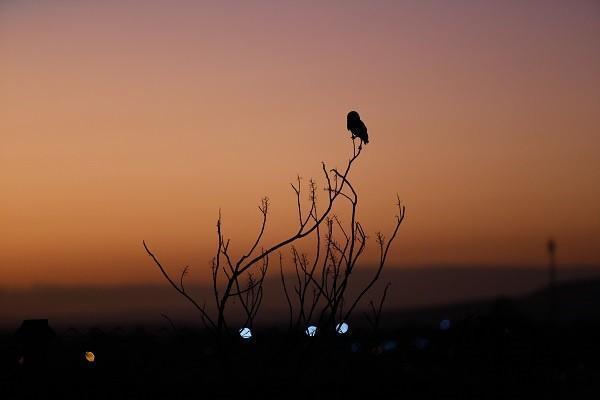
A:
245,333
342,328
311,330
445,324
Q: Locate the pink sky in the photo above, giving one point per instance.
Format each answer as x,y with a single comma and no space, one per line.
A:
122,121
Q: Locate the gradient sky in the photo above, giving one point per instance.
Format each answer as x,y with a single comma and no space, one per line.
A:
129,120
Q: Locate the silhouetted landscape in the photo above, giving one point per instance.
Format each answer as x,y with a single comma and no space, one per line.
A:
418,288
461,350
299,200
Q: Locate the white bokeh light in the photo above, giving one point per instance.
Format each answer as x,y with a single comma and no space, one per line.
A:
311,330
245,333
342,328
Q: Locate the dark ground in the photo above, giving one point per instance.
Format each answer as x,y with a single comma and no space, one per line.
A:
483,357
496,350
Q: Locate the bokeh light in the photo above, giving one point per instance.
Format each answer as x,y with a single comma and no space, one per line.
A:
342,328
90,356
245,333
445,324
389,345
311,330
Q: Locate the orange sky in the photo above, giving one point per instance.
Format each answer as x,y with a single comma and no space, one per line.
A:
127,120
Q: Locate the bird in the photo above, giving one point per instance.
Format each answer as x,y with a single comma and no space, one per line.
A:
357,127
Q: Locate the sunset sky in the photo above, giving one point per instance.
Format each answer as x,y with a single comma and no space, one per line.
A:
123,121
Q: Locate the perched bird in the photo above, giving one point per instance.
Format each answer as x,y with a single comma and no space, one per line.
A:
357,127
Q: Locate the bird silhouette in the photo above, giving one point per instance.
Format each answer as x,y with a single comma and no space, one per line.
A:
357,127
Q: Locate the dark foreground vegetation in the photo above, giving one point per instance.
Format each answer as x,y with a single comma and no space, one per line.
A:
491,356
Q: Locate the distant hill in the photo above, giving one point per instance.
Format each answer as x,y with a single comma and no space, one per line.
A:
576,301
416,292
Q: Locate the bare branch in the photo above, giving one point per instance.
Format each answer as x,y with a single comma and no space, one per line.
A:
399,219
264,209
306,232
285,291
183,274
374,322
184,294
170,322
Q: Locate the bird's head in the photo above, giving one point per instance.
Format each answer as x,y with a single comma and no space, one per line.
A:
353,116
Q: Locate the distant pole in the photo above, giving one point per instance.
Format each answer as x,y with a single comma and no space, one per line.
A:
551,245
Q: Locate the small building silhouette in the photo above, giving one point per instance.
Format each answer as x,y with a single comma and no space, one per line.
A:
34,340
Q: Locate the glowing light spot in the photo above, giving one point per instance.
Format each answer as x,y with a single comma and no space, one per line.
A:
342,328
445,324
90,357
245,333
21,360
311,330
389,345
